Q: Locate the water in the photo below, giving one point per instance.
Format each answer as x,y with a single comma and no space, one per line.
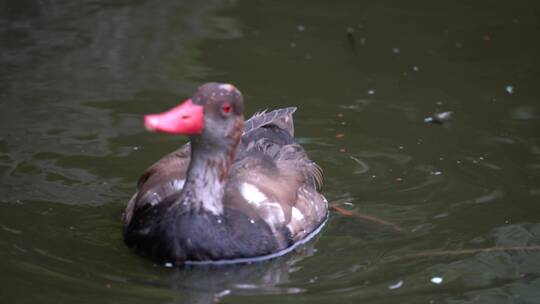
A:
78,76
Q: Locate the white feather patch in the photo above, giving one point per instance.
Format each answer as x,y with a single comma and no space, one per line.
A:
270,211
178,184
252,194
296,214
227,87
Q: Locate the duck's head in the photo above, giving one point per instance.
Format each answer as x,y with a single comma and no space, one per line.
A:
214,112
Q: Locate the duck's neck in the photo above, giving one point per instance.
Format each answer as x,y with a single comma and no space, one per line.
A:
207,175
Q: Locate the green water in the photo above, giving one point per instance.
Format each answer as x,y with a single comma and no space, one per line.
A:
77,76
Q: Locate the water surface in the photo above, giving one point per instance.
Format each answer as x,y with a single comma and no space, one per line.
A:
78,76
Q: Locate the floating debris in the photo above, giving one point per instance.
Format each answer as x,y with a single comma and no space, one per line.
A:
223,293
436,280
371,92
510,89
351,40
301,28
439,118
340,135
396,50
415,68
168,264
396,285
363,166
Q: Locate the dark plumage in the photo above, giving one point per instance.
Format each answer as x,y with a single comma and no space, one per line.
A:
237,190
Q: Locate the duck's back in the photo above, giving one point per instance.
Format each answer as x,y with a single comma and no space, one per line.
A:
273,178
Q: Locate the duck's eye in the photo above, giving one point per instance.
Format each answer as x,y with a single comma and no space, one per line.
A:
226,108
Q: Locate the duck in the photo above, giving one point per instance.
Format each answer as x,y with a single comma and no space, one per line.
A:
238,191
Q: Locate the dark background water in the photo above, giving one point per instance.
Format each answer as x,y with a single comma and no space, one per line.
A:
77,76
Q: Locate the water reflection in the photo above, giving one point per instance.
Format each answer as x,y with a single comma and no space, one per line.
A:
207,284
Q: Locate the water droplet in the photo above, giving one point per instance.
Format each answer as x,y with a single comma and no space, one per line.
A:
301,28
396,285
396,50
371,92
168,264
510,89
436,280
223,293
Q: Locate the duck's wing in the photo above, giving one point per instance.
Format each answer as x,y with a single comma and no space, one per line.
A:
273,179
164,178
282,118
